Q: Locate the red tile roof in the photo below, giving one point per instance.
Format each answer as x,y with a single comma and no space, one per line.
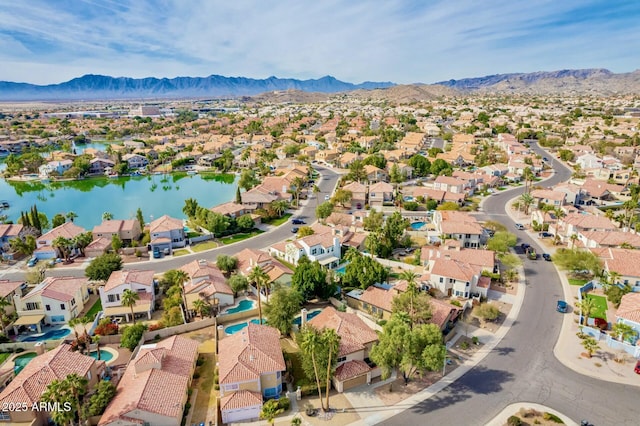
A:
629,308
240,399
354,333
118,278
377,297
351,369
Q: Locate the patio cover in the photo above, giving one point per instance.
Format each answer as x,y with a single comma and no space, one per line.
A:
29,320
138,308
328,260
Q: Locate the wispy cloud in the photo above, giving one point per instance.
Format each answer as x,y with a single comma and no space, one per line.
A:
355,40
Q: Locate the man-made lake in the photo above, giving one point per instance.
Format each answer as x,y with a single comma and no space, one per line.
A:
156,195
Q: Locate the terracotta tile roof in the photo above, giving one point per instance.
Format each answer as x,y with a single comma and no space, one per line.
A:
613,238
118,278
381,187
100,243
623,261
629,308
165,223
247,354
454,269
351,369
10,230
58,288
33,380
66,230
378,297
7,287
484,258
250,258
230,208
441,312
240,399
353,332
355,188
115,226
151,389
549,194
588,221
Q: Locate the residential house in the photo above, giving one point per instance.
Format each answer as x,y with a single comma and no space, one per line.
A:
358,194
327,155
154,388
577,223
57,167
206,281
135,161
233,209
380,193
55,300
98,166
347,159
258,198
127,230
248,259
549,197
629,313
30,383
574,194
460,226
624,262
375,174
9,289
140,282
594,239
45,250
250,368
356,340
598,192
588,161
451,184
167,233
97,247
7,233
323,247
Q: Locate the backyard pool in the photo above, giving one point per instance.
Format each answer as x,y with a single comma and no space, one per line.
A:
244,305
341,269
21,361
231,329
417,225
310,315
105,355
49,335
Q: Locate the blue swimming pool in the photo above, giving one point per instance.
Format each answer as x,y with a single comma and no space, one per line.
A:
49,335
244,305
104,355
417,225
21,361
231,329
310,315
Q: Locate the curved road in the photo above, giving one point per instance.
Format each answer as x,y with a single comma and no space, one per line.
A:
326,184
522,367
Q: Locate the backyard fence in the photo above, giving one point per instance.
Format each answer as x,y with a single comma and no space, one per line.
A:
630,349
201,238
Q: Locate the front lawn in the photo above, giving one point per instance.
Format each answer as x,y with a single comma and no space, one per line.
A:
97,307
278,221
578,281
208,245
4,356
600,310
180,252
239,237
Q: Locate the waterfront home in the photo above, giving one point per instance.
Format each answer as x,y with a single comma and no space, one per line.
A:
259,197
460,226
98,166
9,289
251,366
127,230
206,281
45,250
55,300
30,383
154,388
323,247
380,193
97,247
356,340
8,232
135,161
278,273
138,281
233,209
55,167
167,233
629,312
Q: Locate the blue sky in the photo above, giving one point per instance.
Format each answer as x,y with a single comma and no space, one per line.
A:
49,41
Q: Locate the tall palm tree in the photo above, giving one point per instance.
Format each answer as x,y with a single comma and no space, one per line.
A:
573,238
3,304
559,214
62,244
107,216
586,306
181,277
56,392
526,199
311,340
330,340
279,207
129,299
71,215
296,187
259,278
77,387
200,307
412,288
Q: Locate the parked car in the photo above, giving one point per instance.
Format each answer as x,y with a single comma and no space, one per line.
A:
519,226
546,256
531,252
326,197
525,246
156,253
295,230
298,222
167,251
637,369
32,262
562,306
545,235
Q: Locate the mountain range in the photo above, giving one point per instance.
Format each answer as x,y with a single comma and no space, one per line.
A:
595,81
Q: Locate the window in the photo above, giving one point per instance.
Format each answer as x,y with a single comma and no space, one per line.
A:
468,284
278,374
441,279
32,306
342,359
467,235
47,307
4,415
231,387
314,251
89,375
113,297
63,307
73,302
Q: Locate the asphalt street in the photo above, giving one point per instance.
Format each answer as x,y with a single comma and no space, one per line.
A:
522,367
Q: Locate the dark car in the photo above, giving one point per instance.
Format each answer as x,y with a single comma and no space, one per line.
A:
562,306
525,246
295,230
156,253
298,222
546,256
637,369
545,235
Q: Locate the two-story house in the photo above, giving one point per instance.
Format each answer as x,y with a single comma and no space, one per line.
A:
135,161
380,193
623,262
250,368
8,232
138,281
206,280
375,174
460,226
167,233
549,197
356,340
323,247
248,259
233,209
358,194
45,250
57,167
9,289
98,166
154,387
127,230
55,300
577,223
451,184
32,381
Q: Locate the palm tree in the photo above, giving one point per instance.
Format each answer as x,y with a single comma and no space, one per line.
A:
259,278
96,339
316,191
107,216
71,215
129,299
73,322
77,387
559,214
573,238
180,277
81,241
609,214
586,306
527,200
412,289
62,244
528,176
622,331
200,307
296,187
311,340
590,345
279,207
56,392
613,277
331,340
3,304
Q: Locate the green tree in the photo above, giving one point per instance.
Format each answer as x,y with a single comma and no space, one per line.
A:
190,208
261,280
305,231
396,175
587,306
81,241
577,260
331,341
25,247
227,264
441,167
420,164
58,220
502,241
280,207
140,218
310,279
448,205
104,393
201,307
319,350
342,196
238,283
248,179
590,345
131,335
622,331
414,303
116,243
67,393
107,216
245,222
270,410
374,221
408,350
62,246
296,188
356,171
173,278
282,308
324,210
526,200
238,196
129,300
101,267
362,271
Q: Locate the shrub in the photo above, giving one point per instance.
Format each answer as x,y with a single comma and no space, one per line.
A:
552,417
199,361
475,340
488,312
514,421
456,303
106,329
382,322
131,336
464,345
284,403
157,326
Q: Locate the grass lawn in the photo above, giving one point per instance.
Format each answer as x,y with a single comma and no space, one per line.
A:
278,221
205,403
578,281
239,237
193,234
601,306
97,307
180,252
292,352
5,355
204,246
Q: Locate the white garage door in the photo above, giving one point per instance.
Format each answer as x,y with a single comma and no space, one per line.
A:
241,415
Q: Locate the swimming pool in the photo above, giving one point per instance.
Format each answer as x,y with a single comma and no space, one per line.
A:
104,355
417,225
341,270
231,329
244,305
310,315
21,361
49,335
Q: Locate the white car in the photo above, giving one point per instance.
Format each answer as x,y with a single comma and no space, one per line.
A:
519,226
326,198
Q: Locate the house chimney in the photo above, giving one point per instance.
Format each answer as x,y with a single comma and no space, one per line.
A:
303,317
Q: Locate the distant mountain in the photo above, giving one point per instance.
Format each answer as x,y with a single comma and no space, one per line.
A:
100,87
586,81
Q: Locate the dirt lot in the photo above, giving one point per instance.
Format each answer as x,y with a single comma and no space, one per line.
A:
491,326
